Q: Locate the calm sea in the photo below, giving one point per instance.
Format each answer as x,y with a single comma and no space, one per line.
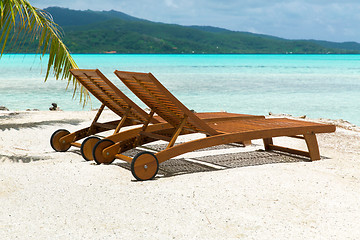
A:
319,86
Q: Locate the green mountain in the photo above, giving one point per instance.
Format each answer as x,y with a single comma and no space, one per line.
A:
112,31
353,46
66,17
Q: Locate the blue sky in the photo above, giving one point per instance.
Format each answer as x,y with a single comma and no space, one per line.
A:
333,20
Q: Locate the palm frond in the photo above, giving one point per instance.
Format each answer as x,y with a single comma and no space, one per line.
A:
38,25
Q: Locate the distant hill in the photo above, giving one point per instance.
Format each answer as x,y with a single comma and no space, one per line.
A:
112,31
66,17
354,46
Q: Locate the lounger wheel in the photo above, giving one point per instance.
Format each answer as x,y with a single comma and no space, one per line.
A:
99,156
87,146
144,166
55,140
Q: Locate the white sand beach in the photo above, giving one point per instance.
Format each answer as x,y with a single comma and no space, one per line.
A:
50,195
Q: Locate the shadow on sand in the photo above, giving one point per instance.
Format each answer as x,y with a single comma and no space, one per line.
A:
181,166
18,126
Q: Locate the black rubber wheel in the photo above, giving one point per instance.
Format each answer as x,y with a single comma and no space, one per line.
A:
87,146
144,166
55,140
97,152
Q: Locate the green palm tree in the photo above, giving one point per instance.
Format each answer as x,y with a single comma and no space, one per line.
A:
20,18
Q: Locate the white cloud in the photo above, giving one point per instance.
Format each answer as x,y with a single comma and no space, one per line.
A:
171,3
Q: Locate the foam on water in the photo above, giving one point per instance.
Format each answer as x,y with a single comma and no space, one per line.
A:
326,86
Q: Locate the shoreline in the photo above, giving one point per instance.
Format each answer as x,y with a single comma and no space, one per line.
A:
256,195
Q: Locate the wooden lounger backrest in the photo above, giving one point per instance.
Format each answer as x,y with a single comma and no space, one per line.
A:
107,93
161,101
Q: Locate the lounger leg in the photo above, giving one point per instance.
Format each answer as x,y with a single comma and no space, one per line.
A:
267,143
246,143
92,126
313,146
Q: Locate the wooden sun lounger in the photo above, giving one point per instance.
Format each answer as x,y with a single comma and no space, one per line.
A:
130,114
110,96
145,165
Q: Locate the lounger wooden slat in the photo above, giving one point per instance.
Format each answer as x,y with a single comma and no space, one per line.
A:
145,165
160,102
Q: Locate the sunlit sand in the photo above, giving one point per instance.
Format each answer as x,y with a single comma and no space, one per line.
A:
229,192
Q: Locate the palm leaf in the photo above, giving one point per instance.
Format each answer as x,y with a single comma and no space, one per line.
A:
35,24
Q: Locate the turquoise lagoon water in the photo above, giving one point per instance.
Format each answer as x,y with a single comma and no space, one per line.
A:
319,86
